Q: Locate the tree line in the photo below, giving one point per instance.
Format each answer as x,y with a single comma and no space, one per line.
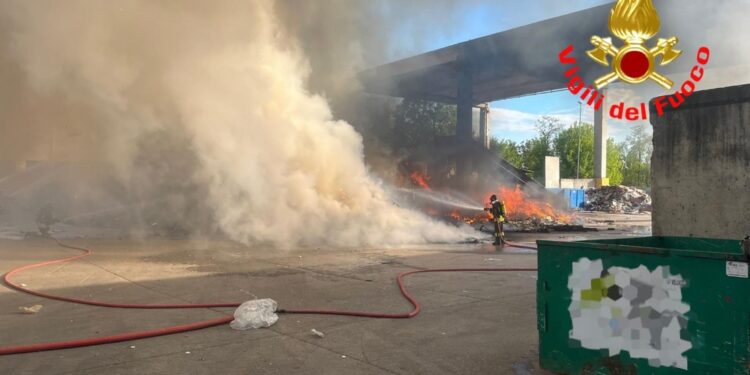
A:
628,162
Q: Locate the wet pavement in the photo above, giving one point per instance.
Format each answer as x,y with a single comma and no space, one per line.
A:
471,323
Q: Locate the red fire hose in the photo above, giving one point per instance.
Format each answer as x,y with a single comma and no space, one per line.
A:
90,341
511,244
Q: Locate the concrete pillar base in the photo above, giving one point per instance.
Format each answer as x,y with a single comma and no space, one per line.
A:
601,182
600,143
484,125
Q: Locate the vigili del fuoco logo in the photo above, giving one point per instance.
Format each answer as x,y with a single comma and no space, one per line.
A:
634,22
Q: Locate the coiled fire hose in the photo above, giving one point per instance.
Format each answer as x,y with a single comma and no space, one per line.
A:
128,336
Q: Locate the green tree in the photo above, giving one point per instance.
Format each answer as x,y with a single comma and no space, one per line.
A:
637,160
567,143
534,151
566,146
418,122
548,128
615,161
508,150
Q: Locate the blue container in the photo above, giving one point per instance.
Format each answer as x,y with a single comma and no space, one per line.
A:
576,198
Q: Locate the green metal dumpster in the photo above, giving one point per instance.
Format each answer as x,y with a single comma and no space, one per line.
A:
655,305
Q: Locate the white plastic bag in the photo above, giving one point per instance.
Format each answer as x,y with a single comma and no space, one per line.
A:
259,313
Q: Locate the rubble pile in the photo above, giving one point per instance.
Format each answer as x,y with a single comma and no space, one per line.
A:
618,199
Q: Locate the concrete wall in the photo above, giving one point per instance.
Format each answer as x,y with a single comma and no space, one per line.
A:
552,178
701,166
572,183
552,172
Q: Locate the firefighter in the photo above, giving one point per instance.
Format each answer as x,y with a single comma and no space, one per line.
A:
497,209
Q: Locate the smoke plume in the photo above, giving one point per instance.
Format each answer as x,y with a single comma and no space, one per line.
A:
202,110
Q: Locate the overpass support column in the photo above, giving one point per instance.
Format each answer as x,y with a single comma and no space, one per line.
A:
465,104
484,125
600,144
464,126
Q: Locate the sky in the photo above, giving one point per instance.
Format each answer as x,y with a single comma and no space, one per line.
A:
514,119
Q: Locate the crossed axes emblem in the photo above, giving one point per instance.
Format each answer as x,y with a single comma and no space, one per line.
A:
633,63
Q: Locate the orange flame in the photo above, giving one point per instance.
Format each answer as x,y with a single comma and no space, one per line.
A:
420,180
472,219
520,207
456,215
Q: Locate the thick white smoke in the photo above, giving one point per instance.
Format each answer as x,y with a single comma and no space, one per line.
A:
222,82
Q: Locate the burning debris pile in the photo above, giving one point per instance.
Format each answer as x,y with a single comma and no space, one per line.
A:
618,199
529,214
525,211
521,207
471,218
